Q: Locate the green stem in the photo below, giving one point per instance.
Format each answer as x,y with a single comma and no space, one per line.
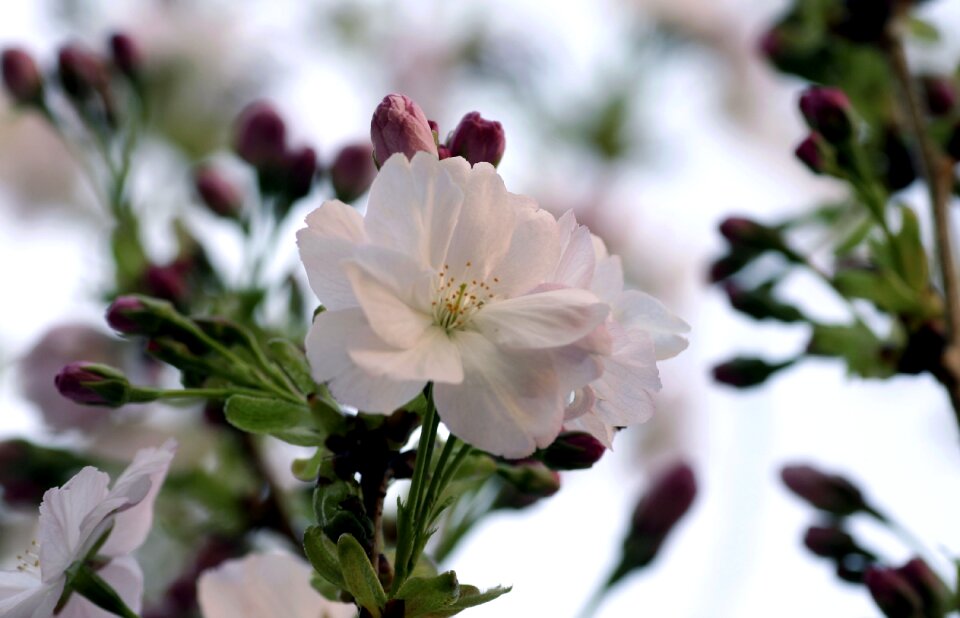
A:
152,394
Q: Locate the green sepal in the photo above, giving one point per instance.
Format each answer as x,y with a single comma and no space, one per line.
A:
293,362
322,554
82,579
424,596
261,415
359,576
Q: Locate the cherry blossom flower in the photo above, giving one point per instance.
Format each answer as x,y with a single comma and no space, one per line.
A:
641,328
265,585
441,282
73,519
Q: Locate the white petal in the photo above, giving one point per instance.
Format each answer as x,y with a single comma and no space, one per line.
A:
625,390
62,515
326,348
333,231
534,251
433,358
509,403
22,595
263,585
413,207
541,320
394,293
138,485
607,281
636,309
577,257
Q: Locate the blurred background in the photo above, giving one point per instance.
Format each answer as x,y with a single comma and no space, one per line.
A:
654,120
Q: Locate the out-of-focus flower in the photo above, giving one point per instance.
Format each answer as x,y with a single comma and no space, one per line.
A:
933,592
892,593
21,76
828,492
352,171
478,140
93,384
642,330
439,283
220,195
399,125
827,111
58,347
265,585
73,519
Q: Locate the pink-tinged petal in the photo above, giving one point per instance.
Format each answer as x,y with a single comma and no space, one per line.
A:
333,232
590,423
607,281
62,514
22,595
534,250
509,403
541,320
577,257
413,207
330,362
138,485
636,309
583,402
124,576
265,585
433,358
625,390
394,293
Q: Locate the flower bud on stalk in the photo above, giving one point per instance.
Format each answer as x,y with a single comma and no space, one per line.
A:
168,282
828,492
573,450
126,55
138,315
220,195
260,137
933,592
21,77
892,593
827,111
830,542
81,72
746,234
352,171
665,503
814,152
743,372
399,125
300,167
478,140
940,94
93,384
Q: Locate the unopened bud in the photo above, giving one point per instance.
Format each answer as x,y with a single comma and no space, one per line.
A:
827,111
526,483
743,233
168,282
137,315
813,152
300,168
933,592
126,54
261,135
81,72
830,542
220,195
93,384
573,450
892,593
760,303
352,171
745,372
831,493
21,76
729,265
399,125
478,140
940,94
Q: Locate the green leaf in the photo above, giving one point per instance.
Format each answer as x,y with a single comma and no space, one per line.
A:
262,415
922,30
423,596
322,554
307,468
882,288
301,436
470,596
293,362
911,254
856,344
359,575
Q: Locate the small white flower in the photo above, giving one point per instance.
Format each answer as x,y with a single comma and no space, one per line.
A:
441,282
72,519
261,585
641,328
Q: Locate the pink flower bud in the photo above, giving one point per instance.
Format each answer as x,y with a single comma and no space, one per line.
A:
478,140
126,54
21,76
93,384
220,195
81,72
261,135
126,315
352,171
829,542
940,94
811,153
827,110
399,125
828,492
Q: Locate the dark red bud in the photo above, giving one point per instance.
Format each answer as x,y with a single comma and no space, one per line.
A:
892,593
573,450
301,168
933,592
831,493
93,384
829,542
827,111
126,54
746,372
261,135
126,315
812,153
21,76
81,72
940,95
168,282
478,140
352,171
220,195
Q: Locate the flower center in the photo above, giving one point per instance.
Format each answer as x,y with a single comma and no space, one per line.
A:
455,302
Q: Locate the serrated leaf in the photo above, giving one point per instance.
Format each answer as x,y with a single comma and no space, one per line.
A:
423,596
262,415
322,554
293,362
359,575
